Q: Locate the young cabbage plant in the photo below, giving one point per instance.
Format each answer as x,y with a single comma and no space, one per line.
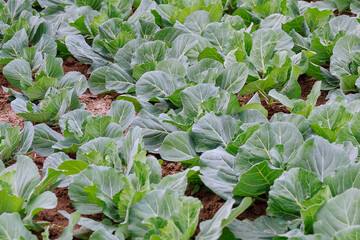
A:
81,130
24,194
299,106
49,75
50,108
13,142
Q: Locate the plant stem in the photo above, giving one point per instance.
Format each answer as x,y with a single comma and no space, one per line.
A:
264,96
260,199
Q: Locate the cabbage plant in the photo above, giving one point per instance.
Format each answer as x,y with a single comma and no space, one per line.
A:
13,141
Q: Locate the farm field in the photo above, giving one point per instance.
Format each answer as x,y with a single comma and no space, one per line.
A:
179,119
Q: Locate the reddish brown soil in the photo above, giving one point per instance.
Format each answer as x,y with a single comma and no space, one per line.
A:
71,64
98,103
336,12
212,203
39,161
243,100
56,128
132,11
257,209
94,103
306,84
7,113
169,168
348,12
272,109
58,221
10,163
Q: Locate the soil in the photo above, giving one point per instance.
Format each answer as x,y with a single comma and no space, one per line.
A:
348,12
7,113
257,209
306,84
169,168
98,104
274,108
71,64
336,12
211,203
39,161
57,221
243,100
94,103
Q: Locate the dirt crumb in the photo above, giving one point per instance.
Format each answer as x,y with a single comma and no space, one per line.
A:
169,168
96,104
71,64
243,100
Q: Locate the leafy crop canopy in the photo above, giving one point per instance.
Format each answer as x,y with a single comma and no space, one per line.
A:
249,100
